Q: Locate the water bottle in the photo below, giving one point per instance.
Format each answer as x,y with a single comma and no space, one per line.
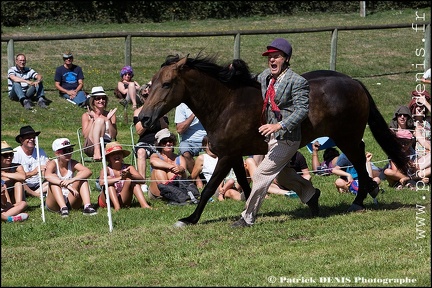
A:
291,194
192,197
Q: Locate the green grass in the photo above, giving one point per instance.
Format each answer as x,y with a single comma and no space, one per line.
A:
389,241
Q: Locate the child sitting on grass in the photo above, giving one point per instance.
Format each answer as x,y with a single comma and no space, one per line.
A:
123,180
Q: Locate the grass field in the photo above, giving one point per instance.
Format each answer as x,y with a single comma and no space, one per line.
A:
384,246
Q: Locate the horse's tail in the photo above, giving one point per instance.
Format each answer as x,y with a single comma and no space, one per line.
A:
383,135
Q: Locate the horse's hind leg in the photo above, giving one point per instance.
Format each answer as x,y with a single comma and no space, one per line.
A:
221,170
357,156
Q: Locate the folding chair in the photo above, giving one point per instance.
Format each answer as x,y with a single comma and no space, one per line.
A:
81,149
132,131
83,159
79,134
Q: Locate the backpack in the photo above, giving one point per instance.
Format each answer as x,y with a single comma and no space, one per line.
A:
179,192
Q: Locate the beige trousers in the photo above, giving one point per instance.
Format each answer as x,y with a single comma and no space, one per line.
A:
275,165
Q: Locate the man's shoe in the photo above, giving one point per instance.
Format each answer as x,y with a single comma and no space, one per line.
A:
89,211
41,103
240,224
313,203
27,104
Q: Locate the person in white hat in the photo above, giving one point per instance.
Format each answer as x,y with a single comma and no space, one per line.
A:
98,122
68,186
166,165
123,180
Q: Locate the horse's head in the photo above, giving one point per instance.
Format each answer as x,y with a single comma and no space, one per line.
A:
166,93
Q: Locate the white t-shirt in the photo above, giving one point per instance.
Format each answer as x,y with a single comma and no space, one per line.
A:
209,164
30,162
427,74
196,131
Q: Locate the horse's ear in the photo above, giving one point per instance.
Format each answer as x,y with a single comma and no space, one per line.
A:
181,62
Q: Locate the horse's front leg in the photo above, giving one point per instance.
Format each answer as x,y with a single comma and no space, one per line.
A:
221,170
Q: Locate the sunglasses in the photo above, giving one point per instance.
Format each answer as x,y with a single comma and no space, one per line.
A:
8,155
31,136
97,98
403,115
66,150
69,58
127,74
166,141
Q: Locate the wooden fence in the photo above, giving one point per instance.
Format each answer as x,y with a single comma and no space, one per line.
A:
418,26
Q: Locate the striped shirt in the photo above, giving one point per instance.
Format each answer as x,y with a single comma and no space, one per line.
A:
26,74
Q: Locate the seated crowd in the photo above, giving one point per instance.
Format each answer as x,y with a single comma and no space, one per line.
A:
65,184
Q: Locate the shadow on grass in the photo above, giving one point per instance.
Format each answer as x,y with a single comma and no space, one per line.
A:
325,211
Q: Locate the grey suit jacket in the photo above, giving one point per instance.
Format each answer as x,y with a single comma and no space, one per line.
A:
292,98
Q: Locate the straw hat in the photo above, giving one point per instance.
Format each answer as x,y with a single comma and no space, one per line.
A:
114,147
6,148
98,91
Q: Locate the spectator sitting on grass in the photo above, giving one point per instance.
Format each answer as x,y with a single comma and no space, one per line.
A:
68,185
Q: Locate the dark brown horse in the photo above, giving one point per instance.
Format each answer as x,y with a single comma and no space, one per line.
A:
228,102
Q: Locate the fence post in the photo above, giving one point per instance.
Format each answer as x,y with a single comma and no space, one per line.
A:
237,46
128,50
333,50
362,8
10,53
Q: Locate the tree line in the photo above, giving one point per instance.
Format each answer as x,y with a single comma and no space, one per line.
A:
20,13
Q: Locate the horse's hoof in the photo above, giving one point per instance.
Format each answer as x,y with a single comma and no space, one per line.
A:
180,224
356,208
183,223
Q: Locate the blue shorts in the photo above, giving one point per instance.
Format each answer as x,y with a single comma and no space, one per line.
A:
193,148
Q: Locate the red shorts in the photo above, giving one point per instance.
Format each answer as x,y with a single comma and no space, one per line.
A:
101,203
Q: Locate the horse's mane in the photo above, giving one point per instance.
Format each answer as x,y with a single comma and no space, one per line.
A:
236,73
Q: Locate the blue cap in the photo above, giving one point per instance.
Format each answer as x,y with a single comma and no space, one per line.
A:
279,44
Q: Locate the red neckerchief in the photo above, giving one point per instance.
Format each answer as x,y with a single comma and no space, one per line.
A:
270,95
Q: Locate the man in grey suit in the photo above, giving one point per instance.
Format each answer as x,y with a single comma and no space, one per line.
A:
286,105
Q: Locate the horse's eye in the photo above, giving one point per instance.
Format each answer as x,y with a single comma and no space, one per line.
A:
166,85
